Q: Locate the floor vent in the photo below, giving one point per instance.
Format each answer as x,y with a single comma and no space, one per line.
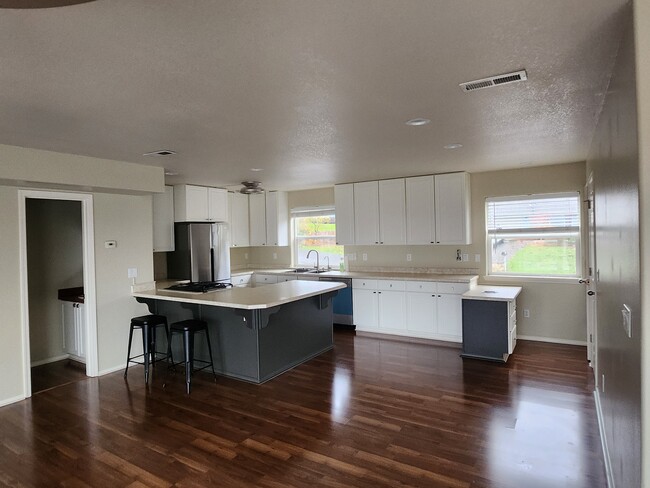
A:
493,81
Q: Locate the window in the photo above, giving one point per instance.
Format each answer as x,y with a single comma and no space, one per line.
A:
315,228
535,235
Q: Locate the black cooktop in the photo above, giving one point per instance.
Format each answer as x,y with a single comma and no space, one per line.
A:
200,286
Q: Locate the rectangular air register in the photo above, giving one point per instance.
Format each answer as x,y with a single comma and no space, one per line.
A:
493,81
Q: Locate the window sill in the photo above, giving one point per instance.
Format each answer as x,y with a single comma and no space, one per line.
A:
573,280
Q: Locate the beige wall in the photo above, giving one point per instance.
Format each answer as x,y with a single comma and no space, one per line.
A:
55,261
11,357
642,32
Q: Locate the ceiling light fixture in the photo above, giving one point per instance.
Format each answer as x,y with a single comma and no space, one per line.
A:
251,187
257,169
417,122
161,152
171,173
455,145
24,4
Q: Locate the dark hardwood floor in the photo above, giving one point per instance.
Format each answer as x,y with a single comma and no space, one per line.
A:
370,413
56,374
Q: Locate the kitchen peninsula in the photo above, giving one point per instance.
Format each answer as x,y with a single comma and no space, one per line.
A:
256,333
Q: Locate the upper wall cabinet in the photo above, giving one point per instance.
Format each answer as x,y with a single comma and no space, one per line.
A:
163,220
239,230
200,203
344,203
452,204
366,213
392,212
420,210
269,219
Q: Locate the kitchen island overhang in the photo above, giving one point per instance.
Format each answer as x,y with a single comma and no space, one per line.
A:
256,333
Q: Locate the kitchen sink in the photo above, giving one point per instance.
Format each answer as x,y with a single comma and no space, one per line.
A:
314,271
301,270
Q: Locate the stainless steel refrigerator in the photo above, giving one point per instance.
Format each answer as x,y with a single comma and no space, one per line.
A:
202,252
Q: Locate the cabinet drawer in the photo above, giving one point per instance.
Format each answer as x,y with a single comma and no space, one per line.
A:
268,279
512,340
422,286
512,322
241,280
512,307
458,288
391,285
286,278
367,284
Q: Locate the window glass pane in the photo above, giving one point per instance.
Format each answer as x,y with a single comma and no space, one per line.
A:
535,256
319,233
533,213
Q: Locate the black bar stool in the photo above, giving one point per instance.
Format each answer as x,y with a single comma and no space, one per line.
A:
188,328
148,324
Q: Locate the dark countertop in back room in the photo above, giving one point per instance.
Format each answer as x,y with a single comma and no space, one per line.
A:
72,294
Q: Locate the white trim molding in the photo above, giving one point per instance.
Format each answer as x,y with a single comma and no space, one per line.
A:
111,370
50,360
8,401
603,440
90,299
553,340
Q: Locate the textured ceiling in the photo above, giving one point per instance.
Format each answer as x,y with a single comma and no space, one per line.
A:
314,92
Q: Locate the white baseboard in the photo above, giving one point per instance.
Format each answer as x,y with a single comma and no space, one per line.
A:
50,360
111,370
603,440
15,399
551,339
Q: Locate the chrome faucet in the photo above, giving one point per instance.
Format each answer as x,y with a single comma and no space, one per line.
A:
317,257
328,263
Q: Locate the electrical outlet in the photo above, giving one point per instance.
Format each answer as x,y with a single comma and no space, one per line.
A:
275,255
132,272
245,255
409,257
477,258
364,256
526,313
466,257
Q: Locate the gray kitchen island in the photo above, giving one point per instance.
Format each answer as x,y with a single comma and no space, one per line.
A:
256,333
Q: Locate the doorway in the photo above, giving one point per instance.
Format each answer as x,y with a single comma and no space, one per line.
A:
591,278
57,288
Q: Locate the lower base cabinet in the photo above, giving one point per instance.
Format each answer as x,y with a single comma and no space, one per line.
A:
73,320
431,310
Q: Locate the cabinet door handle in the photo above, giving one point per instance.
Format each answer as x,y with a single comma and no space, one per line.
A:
591,293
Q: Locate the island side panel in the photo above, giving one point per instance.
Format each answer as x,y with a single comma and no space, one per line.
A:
485,335
299,331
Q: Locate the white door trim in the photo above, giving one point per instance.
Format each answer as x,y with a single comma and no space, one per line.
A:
88,246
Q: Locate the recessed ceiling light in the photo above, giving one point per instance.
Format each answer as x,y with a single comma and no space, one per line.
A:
417,122
257,169
171,173
455,145
161,152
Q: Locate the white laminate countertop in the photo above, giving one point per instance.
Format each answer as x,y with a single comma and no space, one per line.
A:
451,278
499,293
267,296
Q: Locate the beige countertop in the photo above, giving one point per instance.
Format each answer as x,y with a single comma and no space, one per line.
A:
498,293
243,298
384,275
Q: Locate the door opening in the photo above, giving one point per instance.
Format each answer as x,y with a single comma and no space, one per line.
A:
591,279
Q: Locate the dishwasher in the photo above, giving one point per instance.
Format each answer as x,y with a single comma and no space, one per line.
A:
342,303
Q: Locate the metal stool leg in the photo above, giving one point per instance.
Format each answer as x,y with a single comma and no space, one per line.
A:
188,345
207,336
145,344
128,351
169,343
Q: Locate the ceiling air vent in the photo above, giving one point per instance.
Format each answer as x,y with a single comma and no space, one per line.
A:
494,81
162,152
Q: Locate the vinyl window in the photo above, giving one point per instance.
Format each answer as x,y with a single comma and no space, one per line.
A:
314,228
534,235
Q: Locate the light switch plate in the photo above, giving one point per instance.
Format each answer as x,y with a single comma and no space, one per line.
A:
132,272
465,257
275,255
364,256
477,258
409,257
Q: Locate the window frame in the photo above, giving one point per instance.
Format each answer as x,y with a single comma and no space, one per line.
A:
312,211
535,232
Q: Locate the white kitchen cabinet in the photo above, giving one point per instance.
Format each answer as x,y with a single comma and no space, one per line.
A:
218,205
365,309
392,211
283,278
200,203
239,230
420,210
452,208
366,213
241,280
73,320
449,319
163,220
421,313
277,218
392,310
257,206
344,203
265,279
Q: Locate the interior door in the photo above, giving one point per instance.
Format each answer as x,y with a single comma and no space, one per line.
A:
591,278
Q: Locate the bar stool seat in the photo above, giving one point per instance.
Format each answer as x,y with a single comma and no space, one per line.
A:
148,324
188,328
